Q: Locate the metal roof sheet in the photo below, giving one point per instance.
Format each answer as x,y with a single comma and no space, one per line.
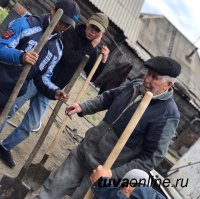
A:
123,13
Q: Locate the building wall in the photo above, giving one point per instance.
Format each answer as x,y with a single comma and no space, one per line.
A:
187,131
192,173
123,13
160,37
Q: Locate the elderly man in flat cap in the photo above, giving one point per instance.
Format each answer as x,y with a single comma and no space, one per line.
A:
144,150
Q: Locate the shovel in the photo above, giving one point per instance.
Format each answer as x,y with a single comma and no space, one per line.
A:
37,173
27,67
16,188
125,135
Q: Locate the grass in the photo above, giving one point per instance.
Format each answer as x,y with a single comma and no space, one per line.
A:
3,14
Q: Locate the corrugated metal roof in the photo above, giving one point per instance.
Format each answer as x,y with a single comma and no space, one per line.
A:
140,52
124,13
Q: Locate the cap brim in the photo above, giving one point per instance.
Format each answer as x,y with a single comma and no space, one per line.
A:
68,20
93,22
153,68
149,66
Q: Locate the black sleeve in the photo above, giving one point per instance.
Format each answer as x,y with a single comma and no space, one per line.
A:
90,65
100,102
44,89
73,51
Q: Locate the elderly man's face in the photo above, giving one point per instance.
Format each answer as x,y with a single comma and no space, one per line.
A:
155,83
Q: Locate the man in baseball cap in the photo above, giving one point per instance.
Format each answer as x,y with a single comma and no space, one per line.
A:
71,11
100,20
39,77
94,31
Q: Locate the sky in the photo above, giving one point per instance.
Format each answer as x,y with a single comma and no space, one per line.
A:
183,14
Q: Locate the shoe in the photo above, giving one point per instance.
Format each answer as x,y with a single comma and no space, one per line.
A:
6,157
38,128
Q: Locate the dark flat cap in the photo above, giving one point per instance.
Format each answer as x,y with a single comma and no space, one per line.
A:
164,66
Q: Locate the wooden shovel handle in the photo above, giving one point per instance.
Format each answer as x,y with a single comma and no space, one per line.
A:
66,120
53,116
27,67
128,130
87,81
125,135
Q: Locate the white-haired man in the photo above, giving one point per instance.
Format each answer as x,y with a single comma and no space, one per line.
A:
145,148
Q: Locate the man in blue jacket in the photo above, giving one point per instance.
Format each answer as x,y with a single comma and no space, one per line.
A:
136,184
19,40
77,42
16,49
146,147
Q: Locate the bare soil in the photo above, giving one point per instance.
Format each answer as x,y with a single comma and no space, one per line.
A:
67,140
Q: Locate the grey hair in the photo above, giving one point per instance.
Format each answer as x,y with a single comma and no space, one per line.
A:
167,78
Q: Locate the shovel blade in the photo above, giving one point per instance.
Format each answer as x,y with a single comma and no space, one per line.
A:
13,188
36,175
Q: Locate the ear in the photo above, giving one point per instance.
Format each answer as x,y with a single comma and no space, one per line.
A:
127,191
53,11
87,23
170,84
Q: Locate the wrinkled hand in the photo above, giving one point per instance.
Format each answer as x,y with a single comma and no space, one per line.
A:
105,51
30,57
61,95
72,109
100,172
97,40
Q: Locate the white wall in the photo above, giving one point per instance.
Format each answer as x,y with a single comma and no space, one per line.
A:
192,173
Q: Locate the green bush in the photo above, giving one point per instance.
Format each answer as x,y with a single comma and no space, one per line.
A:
3,14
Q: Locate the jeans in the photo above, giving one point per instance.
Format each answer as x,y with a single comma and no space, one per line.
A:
20,101
38,105
71,178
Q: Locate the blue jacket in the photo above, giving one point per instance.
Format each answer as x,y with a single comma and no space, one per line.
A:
23,35
76,45
112,192
148,144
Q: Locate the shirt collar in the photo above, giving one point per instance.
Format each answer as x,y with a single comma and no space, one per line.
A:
162,96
